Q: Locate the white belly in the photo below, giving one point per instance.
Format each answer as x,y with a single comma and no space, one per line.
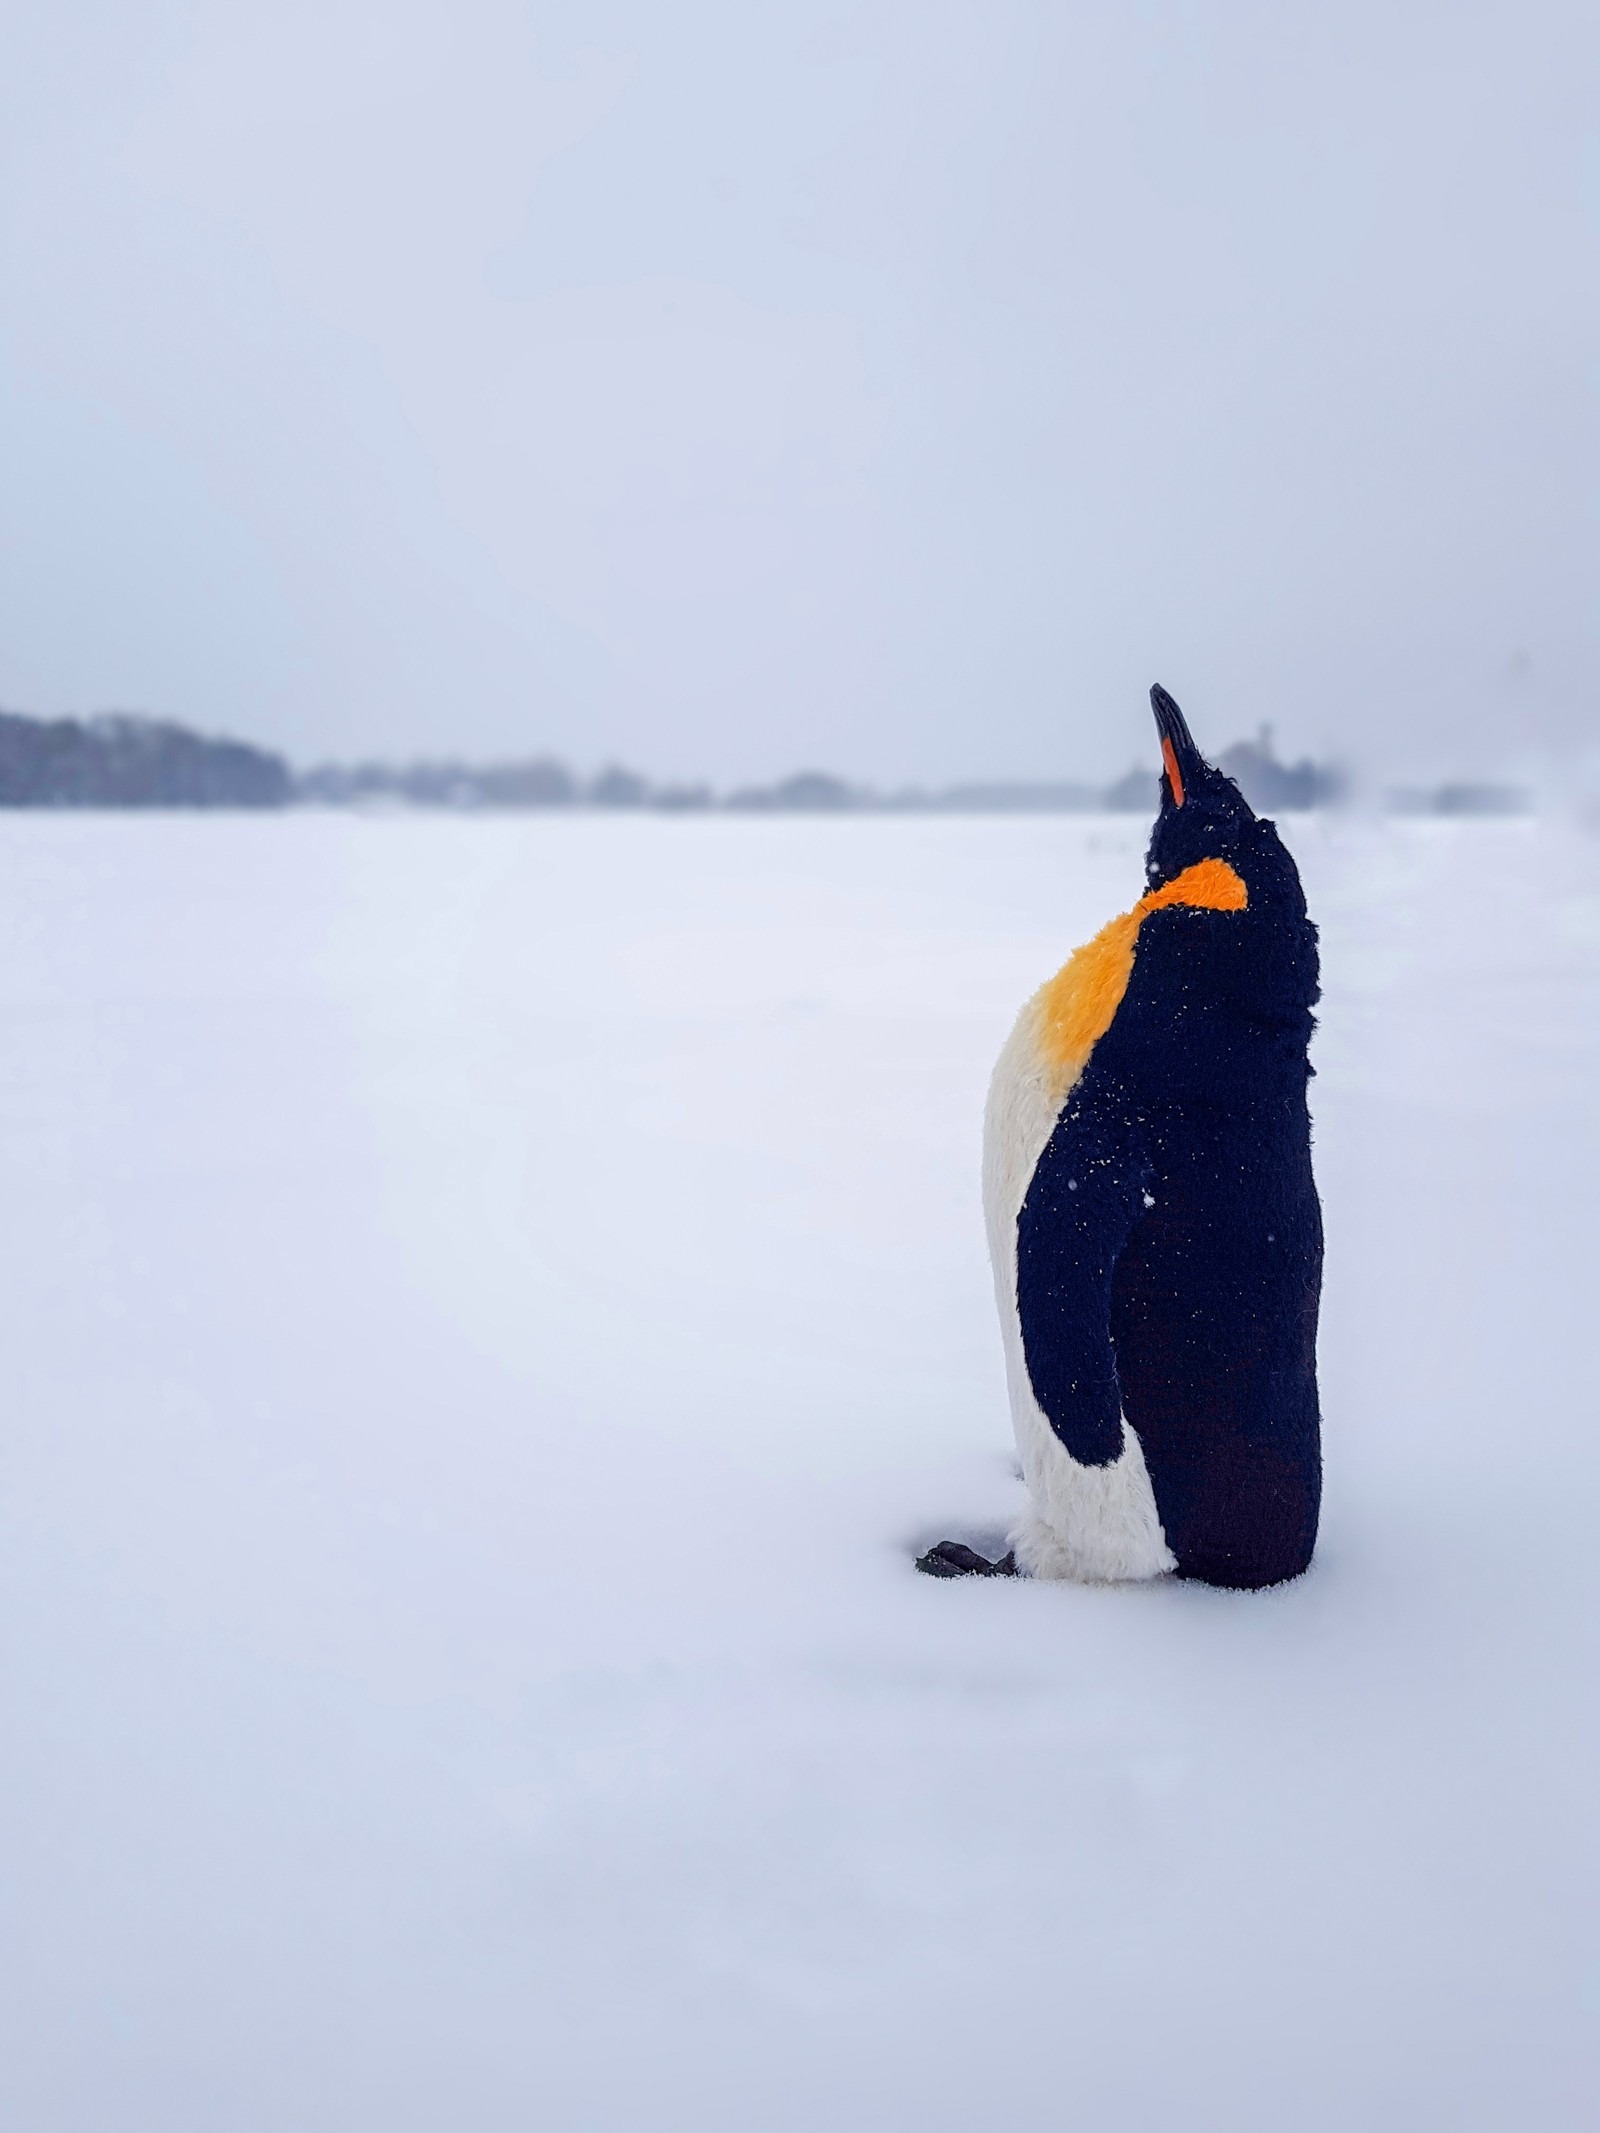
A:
1096,1523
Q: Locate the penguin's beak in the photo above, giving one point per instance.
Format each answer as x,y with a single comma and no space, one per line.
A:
1178,751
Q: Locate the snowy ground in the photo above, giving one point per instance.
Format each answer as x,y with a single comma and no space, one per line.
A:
489,1307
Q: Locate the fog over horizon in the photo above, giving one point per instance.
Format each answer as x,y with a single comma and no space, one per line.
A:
896,388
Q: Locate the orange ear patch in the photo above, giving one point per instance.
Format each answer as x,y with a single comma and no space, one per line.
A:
1211,884
1080,1002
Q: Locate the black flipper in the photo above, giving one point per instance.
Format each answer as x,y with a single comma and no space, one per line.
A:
1087,1194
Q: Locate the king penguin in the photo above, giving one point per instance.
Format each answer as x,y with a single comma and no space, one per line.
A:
1153,1222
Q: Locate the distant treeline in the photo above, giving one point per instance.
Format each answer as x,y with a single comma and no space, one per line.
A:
1272,786
545,782
119,760
122,761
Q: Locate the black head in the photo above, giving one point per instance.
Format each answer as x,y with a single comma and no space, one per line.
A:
1204,815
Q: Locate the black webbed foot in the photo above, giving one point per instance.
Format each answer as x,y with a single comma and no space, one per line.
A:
954,1559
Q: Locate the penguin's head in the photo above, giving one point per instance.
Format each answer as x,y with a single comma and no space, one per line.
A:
1204,815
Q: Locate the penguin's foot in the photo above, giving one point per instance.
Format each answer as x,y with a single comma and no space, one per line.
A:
954,1559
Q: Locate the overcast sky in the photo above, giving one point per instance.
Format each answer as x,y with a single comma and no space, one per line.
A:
728,385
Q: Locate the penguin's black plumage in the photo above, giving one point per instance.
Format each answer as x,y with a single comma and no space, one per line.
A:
1153,1221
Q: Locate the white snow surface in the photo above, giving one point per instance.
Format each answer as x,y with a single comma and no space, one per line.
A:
491,1307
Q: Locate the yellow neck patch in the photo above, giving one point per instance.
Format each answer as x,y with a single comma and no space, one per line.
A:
1081,1000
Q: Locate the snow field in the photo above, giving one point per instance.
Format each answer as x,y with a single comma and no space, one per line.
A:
493,1303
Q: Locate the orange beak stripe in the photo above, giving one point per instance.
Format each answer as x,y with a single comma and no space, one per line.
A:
1174,775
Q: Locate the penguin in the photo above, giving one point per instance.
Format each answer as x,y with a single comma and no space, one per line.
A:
1153,1221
